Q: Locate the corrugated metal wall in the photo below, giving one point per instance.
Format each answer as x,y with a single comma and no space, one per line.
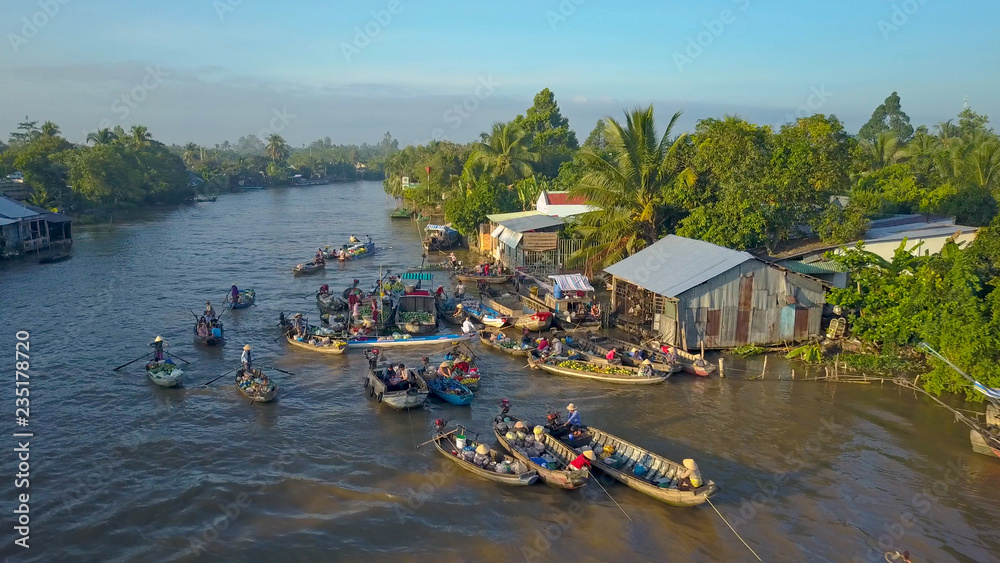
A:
767,296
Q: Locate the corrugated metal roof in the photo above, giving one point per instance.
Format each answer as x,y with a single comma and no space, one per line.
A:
812,268
572,282
675,264
525,224
930,231
498,217
14,210
509,237
6,221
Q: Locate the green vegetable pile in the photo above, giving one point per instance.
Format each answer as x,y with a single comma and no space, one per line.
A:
594,368
416,316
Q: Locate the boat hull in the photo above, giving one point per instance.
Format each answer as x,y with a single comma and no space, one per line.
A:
446,444
336,348
487,279
308,269
266,397
409,342
172,378
484,337
462,398
603,377
330,304
398,399
247,298
558,478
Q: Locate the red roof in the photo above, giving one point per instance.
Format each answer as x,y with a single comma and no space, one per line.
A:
563,198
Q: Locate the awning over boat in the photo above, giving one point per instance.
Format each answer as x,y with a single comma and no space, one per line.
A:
438,228
419,276
572,282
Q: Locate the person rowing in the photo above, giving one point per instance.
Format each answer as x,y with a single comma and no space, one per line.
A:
234,295
158,344
247,359
355,240
209,311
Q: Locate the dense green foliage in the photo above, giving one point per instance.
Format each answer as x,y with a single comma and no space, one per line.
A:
950,300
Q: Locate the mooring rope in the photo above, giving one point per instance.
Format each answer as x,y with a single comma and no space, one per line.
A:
733,529
612,498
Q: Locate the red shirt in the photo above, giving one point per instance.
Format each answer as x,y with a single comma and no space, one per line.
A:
580,462
611,355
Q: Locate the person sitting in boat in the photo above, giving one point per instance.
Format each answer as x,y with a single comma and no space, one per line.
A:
247,359
612,356
209,311
482,458
425,365
468,327
324,290
595,310
453,260
526,340
445,369
536,446
158,344
354,239
573,421
486,269
583,460
690,478
543,345
669,353
646,369
202,328
556,347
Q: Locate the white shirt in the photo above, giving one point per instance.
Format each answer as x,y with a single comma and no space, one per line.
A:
247,357
468,327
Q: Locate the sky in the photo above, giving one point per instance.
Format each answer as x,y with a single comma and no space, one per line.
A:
213,70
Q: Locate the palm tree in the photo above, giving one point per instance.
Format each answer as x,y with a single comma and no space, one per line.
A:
982,164
191,152
276,147
628,183
50,129
505,153
884,150
946,131
139,137
101,137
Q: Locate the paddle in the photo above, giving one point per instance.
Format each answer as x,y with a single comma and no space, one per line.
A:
133,361
178,357
281,370
220,377
438,436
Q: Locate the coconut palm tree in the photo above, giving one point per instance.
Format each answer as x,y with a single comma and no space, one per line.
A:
505,153
101,137
884,150
139,137
982,164
628,183
277,148
50,129
191,153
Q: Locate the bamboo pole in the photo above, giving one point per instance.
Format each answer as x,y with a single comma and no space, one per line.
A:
722,372
763,371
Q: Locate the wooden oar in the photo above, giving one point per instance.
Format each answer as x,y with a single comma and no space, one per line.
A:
178,357
438,436
281,370
133,361
220,377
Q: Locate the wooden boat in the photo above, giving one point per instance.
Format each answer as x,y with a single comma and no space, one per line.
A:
164,374
658,470
353,252
703,370
245,299
449,448
401,213
330,303
334,345
518,314
440,237
987,441
487,279
483,314
213,337
415,341
378,387
254,390
416,313
310,267
598,350
618,374
448,312
559,477
484,337
336,322
450,391
55,257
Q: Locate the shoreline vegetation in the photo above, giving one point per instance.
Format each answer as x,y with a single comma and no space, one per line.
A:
752,187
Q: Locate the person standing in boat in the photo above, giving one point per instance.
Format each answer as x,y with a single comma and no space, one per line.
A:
453,260
209,312
234,295
158,344
247,359
460,290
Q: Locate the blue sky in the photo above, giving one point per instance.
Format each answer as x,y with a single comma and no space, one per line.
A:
213,70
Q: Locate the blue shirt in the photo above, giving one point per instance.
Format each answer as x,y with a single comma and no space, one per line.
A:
574,419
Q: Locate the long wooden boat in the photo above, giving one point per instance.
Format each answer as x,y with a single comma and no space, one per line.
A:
254,390
618,374
413,396
310,267
213,337
164,374
330,303
450,391
441,237
519,314
483,314
660,477
561,477
401,213
416,313
448,312
484,337
335,346
599,350
704,370
246,299
353,252
487,279
414,341
449,448
987,441
55,257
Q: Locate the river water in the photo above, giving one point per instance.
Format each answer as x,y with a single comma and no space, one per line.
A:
122,470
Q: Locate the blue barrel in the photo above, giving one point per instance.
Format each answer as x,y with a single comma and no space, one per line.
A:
557,291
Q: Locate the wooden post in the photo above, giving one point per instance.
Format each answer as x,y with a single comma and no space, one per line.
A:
793,374
702,344
763,371
722,372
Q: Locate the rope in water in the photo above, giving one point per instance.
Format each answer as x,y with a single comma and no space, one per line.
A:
612,498
733,529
